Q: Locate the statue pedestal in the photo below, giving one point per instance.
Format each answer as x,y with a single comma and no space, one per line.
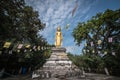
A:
57,66
58,54
58,50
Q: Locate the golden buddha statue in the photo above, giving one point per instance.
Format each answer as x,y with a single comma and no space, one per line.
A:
58,38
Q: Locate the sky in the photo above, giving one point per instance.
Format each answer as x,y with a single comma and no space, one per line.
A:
61,13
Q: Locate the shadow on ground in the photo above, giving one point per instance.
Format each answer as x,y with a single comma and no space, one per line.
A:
86,76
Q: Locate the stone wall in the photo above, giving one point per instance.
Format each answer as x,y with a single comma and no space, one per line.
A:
57,66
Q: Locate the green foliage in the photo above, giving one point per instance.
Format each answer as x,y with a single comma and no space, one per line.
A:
87,61
100,27
19,21
20,24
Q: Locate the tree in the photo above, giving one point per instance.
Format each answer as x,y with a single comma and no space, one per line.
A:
20,25
9,10
98,30
19,21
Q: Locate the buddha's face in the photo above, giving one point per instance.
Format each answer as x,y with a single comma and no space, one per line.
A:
58,29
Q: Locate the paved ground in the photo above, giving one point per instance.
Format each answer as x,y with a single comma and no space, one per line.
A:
88,76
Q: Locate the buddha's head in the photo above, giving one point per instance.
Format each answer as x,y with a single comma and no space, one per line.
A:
58,28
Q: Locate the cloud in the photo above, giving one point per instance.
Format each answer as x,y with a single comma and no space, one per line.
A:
58,13
74,49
